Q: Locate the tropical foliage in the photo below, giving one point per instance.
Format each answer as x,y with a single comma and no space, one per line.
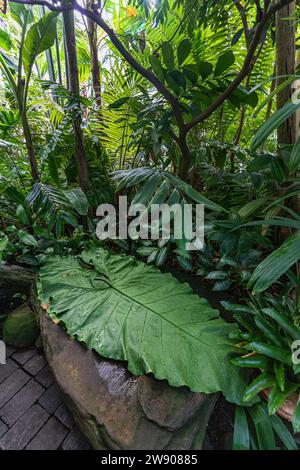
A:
166,102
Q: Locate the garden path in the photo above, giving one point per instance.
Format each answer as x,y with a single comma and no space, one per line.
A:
32,413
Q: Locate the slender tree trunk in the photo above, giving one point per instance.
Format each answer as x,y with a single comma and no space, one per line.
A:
285,64
29,146
82,166
93,42
186,160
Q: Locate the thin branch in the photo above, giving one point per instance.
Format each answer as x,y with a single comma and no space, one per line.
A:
244,19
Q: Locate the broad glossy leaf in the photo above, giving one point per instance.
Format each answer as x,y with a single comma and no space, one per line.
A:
156,67
205,69
237,36
27,239
23,215
5,40
273,123
278,397
241,439
225,61
183,51
276,264
3,242
21,13
39,38
78,200
129,311
168,55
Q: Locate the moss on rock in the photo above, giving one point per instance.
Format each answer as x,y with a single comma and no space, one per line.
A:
20,328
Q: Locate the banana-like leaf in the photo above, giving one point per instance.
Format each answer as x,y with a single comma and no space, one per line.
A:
251,207
151,177
276,264
126,310
39,38
273,123
78,200
241,438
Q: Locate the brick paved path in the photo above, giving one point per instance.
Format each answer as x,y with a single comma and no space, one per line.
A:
32,413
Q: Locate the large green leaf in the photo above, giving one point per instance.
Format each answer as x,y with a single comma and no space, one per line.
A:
276,264
39,38
168,55
241,438
183,50
21,13
5,40
78,200
129,311
225,61
273,123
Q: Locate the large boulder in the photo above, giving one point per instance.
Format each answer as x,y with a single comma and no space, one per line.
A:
117,410
20,327
13,280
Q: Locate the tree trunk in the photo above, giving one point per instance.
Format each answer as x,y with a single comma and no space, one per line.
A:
82,166
30,147
285,64
185,163
93,42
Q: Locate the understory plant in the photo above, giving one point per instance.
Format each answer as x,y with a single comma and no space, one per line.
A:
268,339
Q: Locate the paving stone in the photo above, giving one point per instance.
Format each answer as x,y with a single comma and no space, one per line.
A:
25,429
35,364
3,428
23,355
9,351
7,369
45,377
21,402
76,441
51,399
49,437
11,385
63,414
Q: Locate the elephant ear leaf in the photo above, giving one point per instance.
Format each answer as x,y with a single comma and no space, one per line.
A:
39,38
126,310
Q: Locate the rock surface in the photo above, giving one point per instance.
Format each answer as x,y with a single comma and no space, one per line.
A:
13,280
117,410
20,328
